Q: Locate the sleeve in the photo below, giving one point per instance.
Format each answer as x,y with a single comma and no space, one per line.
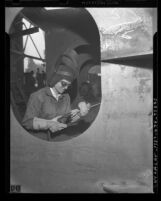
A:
80,99
33,110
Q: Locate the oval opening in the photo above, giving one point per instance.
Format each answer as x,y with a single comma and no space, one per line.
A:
37,39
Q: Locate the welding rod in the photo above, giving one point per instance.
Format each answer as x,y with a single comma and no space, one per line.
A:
90,108
95,105
78,113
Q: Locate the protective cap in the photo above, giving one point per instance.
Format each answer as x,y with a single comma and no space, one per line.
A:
66,67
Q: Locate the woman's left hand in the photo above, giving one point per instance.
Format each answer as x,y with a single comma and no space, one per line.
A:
75,115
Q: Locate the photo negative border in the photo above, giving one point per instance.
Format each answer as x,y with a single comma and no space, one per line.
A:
80,3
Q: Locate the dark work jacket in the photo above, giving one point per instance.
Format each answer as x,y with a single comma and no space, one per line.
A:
43,105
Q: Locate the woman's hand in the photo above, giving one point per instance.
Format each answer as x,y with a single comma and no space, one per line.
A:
84,108
75,115
54,126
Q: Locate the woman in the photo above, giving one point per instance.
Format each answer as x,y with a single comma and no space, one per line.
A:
47,105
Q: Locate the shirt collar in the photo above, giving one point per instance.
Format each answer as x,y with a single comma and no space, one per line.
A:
54,94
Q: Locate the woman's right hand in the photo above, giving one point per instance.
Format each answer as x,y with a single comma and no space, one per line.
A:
54,126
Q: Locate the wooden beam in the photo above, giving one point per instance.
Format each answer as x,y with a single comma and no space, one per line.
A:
26,55
25,32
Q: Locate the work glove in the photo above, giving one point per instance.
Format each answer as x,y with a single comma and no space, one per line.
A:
84,108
